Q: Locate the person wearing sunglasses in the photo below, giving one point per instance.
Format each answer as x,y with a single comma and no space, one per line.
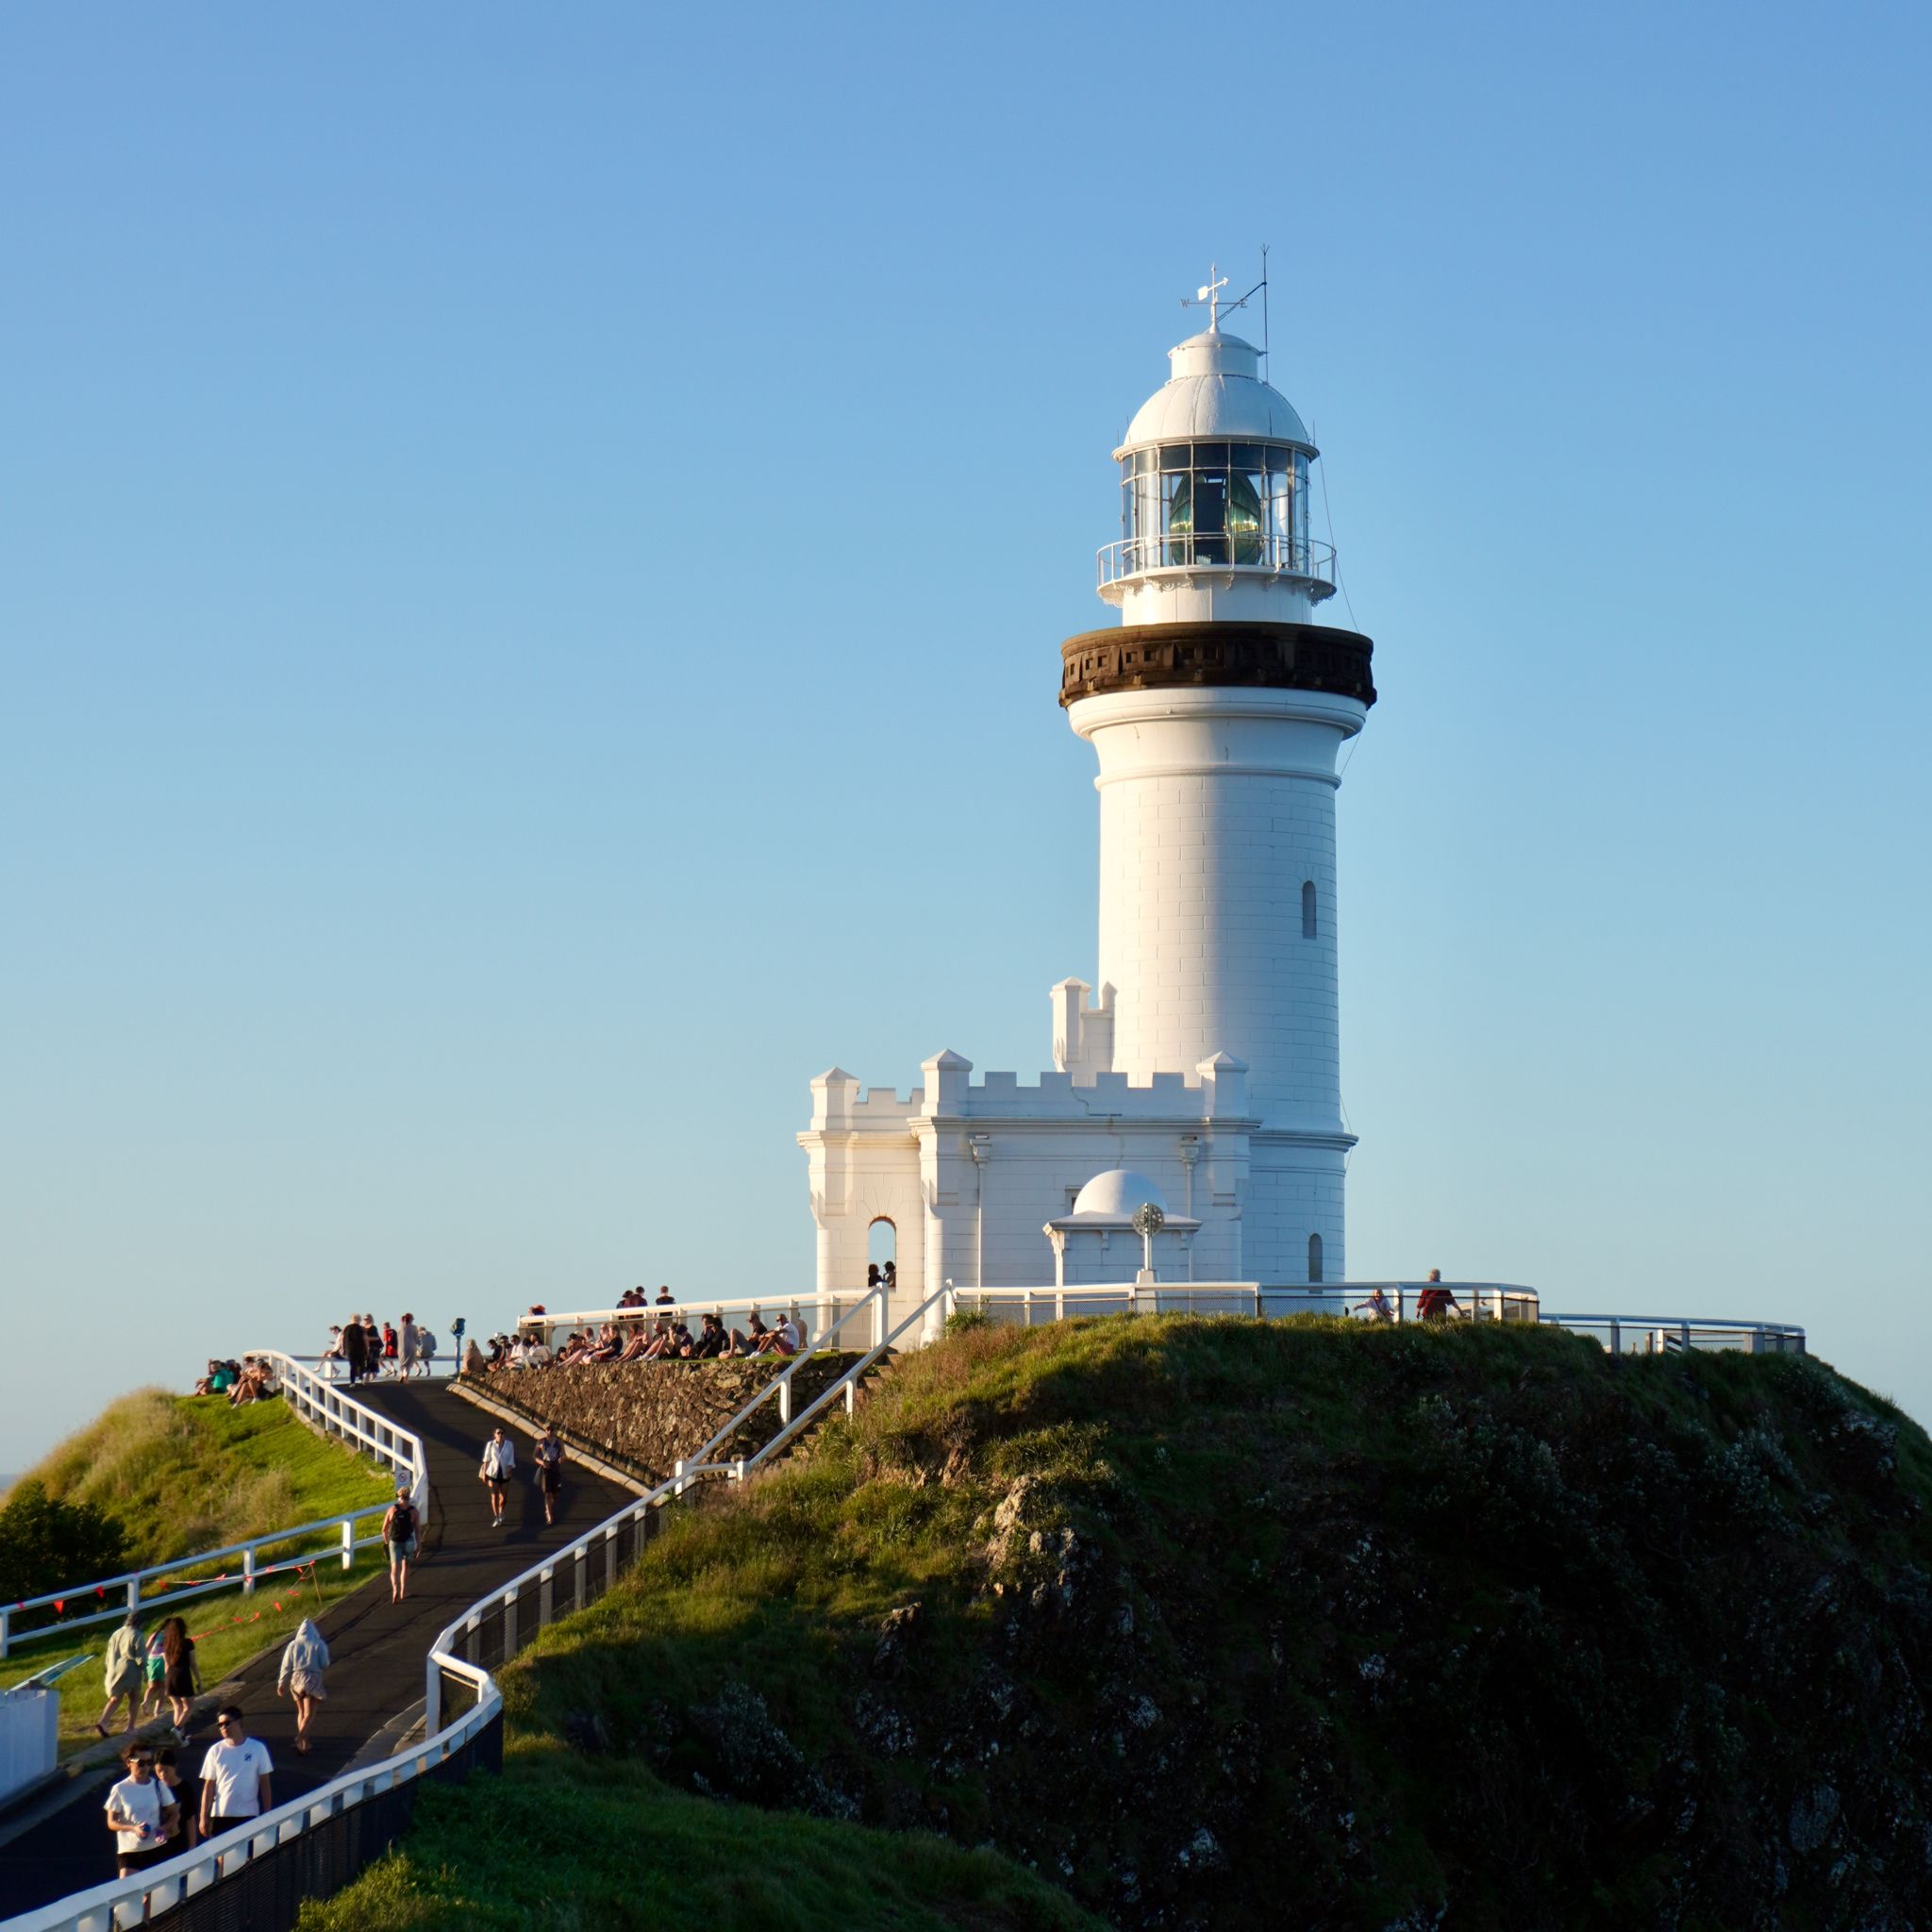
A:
234,1775
142,1813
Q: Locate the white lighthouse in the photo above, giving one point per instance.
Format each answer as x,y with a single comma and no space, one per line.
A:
1201,1069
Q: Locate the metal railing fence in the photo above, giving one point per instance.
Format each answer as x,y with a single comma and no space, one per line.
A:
1670,1333
813,1314
1480,1301
1257,550
332,1411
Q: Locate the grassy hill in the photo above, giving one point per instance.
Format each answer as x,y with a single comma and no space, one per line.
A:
186,1473
1220,1624
183,1473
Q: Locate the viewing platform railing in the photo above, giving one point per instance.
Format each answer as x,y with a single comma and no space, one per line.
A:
813,1314
1480,1301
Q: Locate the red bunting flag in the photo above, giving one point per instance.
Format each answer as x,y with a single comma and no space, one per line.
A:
60,1606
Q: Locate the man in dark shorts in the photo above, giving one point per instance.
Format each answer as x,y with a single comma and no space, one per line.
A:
548,1454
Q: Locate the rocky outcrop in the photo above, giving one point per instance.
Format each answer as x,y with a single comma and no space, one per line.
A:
644,1416
1227,1626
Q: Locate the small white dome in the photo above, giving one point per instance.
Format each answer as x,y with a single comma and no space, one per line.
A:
1119,1190
1215,389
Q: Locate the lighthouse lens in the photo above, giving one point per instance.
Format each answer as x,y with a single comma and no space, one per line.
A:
1215,503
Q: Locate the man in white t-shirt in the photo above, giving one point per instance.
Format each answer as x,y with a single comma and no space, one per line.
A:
234,1775
141,1812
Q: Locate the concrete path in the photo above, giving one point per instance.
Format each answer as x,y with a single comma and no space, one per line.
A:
58,1842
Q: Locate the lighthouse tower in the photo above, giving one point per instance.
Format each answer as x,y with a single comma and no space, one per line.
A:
1217,708
1199,1073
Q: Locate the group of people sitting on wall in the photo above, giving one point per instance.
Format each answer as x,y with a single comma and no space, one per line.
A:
245,1381
1436,1303
882,1275
667,1338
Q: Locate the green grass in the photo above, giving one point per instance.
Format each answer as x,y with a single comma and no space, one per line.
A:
191,1472
1239,1625
559,1843
228,1628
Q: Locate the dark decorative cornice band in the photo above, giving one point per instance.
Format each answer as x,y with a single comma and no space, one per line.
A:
1271,656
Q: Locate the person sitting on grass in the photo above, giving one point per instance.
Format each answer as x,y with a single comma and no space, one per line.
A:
257,1380
785,1337
753,1338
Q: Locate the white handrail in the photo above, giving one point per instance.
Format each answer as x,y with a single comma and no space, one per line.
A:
332,1412
324,1408
164,1886
643,1314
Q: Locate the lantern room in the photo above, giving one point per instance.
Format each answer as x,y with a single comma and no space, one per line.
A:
1214,497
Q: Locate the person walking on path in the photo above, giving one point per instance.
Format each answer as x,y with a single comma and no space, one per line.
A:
121,1672
300,1677
355,1350
234,1775
499,1466
548,1456
142,1813
154,1664
182,1681
401,1530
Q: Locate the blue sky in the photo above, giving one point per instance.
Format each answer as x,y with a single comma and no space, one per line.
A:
534,549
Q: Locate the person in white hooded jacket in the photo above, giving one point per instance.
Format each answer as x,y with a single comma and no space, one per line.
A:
304,1661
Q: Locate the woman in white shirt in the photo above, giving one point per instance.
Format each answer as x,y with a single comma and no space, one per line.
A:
141,1812
499,1464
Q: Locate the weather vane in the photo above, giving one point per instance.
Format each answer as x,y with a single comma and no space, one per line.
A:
1211,294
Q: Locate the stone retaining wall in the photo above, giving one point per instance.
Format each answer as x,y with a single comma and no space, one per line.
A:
646,1415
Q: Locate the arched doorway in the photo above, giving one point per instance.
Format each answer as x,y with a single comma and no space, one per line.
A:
882,1248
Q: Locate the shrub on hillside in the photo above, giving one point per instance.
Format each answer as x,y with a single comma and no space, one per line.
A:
45,1545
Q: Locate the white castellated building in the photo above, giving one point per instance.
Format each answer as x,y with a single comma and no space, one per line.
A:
1205,1072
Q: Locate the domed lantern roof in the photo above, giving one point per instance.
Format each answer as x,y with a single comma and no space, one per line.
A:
1215,390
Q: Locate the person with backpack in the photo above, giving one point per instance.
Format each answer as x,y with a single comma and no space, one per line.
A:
401,1530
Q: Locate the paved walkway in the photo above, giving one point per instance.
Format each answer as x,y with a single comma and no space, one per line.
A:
377,1647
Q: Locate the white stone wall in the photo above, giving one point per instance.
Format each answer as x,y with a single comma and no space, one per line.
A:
1217,804
1258,1193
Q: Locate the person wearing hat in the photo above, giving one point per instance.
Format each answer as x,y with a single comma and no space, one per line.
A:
141,1812
401,1529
